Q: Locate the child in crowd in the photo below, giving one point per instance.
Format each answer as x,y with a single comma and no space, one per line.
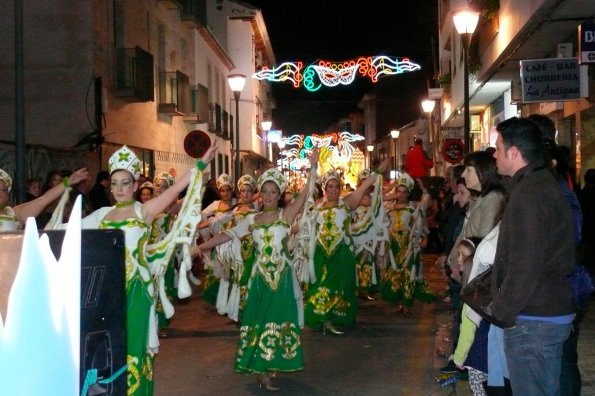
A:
471,351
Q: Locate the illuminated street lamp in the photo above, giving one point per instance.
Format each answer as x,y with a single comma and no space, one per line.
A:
281,144
428,105
395,135
465,22
370,148
236,83
266,127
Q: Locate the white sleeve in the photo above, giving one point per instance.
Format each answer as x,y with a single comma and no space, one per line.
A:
210,210
242,229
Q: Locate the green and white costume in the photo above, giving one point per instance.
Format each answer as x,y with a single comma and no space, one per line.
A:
141,325
331,294
213,267
144,262
270,337
403,282
8,219
233,257
368,230
159,229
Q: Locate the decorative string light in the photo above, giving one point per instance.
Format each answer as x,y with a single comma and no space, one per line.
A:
337,143
332,74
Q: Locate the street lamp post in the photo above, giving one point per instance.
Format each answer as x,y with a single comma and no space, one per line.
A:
370,148
281,144
465,22
266,127
236,83
428,107
395,135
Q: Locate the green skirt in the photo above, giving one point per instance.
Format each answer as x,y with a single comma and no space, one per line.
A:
399,287
270,336
365,267
140,362
211,288
332,297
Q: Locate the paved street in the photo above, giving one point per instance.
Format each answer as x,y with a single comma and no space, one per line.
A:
387,353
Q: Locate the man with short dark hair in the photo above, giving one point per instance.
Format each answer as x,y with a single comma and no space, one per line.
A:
99,195
534,258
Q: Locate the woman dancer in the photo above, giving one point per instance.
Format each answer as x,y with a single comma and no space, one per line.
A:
145,192
217,208
143,260
402,282
331,297
367,230
235,254
270,339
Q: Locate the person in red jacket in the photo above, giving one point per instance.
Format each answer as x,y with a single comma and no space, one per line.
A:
417,163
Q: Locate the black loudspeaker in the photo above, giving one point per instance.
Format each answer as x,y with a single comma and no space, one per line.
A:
103,301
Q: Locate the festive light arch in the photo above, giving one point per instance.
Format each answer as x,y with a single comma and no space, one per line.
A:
336,152
337,149
332,74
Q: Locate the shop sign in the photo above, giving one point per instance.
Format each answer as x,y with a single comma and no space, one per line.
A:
586,42
452,133
554,79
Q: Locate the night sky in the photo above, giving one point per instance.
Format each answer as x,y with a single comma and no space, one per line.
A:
309,30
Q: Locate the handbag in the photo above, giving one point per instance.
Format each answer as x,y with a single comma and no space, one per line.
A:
477,294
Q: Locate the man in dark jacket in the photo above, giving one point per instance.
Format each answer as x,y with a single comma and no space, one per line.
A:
534,258
99,194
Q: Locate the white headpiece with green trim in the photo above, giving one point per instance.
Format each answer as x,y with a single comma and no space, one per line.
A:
6,179
224,180
125,159
247,179
273,175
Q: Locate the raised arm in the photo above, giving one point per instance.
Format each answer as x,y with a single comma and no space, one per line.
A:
158,204
352,200
35,207
296,205
217,240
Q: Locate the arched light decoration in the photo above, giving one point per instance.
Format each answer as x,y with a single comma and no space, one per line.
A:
340,149
428,105
332,74
465,21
